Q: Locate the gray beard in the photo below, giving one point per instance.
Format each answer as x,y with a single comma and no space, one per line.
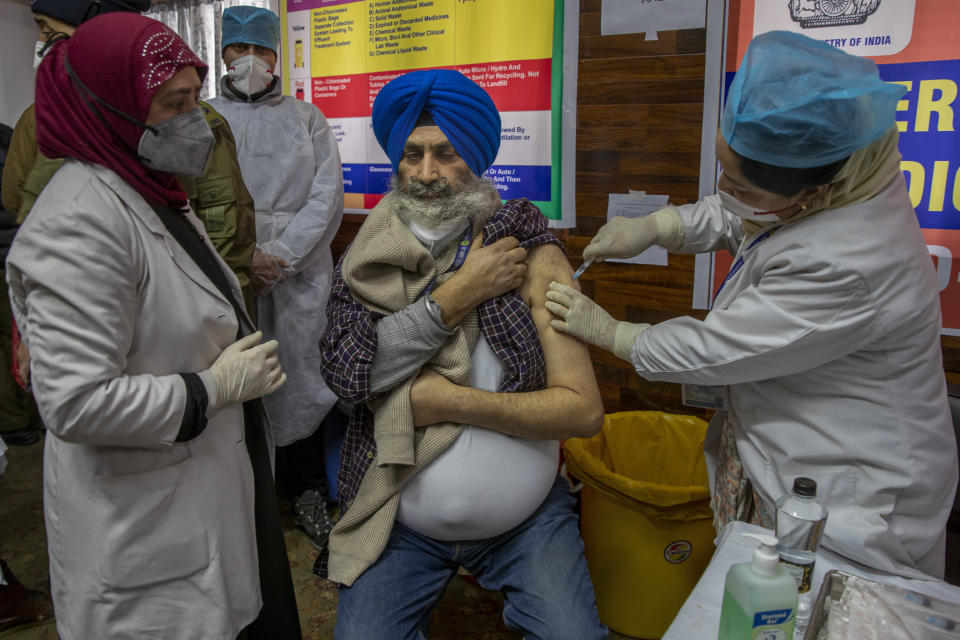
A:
476,200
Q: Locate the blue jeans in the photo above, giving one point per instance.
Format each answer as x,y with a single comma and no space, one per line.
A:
538,566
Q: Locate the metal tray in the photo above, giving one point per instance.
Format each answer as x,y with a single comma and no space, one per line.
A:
943,616
831,589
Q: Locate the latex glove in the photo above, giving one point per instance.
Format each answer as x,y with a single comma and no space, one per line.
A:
246,370
628,237
583,318
268,271
23,363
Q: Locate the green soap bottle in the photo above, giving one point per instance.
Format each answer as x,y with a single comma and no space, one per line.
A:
759,597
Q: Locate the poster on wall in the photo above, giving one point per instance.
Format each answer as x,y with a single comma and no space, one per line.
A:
914,43
339,53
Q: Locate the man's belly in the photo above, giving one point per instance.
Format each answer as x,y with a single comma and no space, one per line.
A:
485,484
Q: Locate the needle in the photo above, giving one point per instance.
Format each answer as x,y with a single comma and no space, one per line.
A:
582,268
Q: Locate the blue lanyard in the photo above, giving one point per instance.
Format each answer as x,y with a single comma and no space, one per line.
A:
738,264
462,250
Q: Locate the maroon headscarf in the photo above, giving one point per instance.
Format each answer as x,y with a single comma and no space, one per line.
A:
122,58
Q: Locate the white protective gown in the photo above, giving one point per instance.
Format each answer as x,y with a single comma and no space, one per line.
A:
291,166
827,340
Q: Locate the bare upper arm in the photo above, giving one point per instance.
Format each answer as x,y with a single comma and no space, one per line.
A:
567,359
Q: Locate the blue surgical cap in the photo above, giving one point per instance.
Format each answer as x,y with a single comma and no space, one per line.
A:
459,106
800,103
252,25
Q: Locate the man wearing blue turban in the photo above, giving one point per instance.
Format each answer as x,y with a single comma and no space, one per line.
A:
460,107
439,338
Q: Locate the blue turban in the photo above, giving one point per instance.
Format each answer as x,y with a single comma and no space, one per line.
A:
798,102
251,25
459,106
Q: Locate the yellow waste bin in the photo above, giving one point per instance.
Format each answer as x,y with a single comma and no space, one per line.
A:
644,515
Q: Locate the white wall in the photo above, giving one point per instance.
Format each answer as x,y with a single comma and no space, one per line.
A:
18,33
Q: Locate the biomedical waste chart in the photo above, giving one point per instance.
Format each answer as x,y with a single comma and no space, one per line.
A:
339,53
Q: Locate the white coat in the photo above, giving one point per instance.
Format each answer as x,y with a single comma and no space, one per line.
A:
827,340
148,538
291,166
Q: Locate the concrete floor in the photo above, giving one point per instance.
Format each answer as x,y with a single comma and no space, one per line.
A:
23,545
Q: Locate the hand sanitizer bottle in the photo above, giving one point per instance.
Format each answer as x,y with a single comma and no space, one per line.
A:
759,597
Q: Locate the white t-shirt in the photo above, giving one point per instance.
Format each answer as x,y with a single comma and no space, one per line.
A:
487,482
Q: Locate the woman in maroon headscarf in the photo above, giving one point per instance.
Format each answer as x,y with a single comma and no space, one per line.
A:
159,502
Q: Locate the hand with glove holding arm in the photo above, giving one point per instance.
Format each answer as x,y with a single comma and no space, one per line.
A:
243,371
583,318
580,316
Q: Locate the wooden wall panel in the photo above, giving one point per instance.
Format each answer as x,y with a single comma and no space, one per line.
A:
639,117
639,110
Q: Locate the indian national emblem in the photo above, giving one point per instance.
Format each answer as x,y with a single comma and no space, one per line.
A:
831,13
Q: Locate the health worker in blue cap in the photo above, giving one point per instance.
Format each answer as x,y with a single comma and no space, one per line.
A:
291,165
824,339
439,337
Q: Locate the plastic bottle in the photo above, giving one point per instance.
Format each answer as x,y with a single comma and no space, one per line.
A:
800,522
759,597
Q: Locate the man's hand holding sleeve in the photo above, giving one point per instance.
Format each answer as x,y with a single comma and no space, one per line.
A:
488,272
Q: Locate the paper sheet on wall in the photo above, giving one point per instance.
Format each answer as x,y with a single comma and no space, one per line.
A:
638,205
650,16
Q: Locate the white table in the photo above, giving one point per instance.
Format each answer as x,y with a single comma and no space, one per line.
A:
699,617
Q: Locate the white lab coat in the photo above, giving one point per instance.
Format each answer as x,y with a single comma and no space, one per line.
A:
291,165
827,340
147,537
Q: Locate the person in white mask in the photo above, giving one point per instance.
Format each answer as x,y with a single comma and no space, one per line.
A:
291,165
824,337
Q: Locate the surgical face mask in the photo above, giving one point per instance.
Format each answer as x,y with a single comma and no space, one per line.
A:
181,144
746,211
38,52
41,48
250,74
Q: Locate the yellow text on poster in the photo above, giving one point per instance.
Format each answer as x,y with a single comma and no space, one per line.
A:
500,30
338,39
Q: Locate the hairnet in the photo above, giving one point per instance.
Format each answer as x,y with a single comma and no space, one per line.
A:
251,25
76,11
460,107
798,102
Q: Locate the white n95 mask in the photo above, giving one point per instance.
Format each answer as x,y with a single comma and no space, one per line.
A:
38,52
41,48
744,210
250,74
181,144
